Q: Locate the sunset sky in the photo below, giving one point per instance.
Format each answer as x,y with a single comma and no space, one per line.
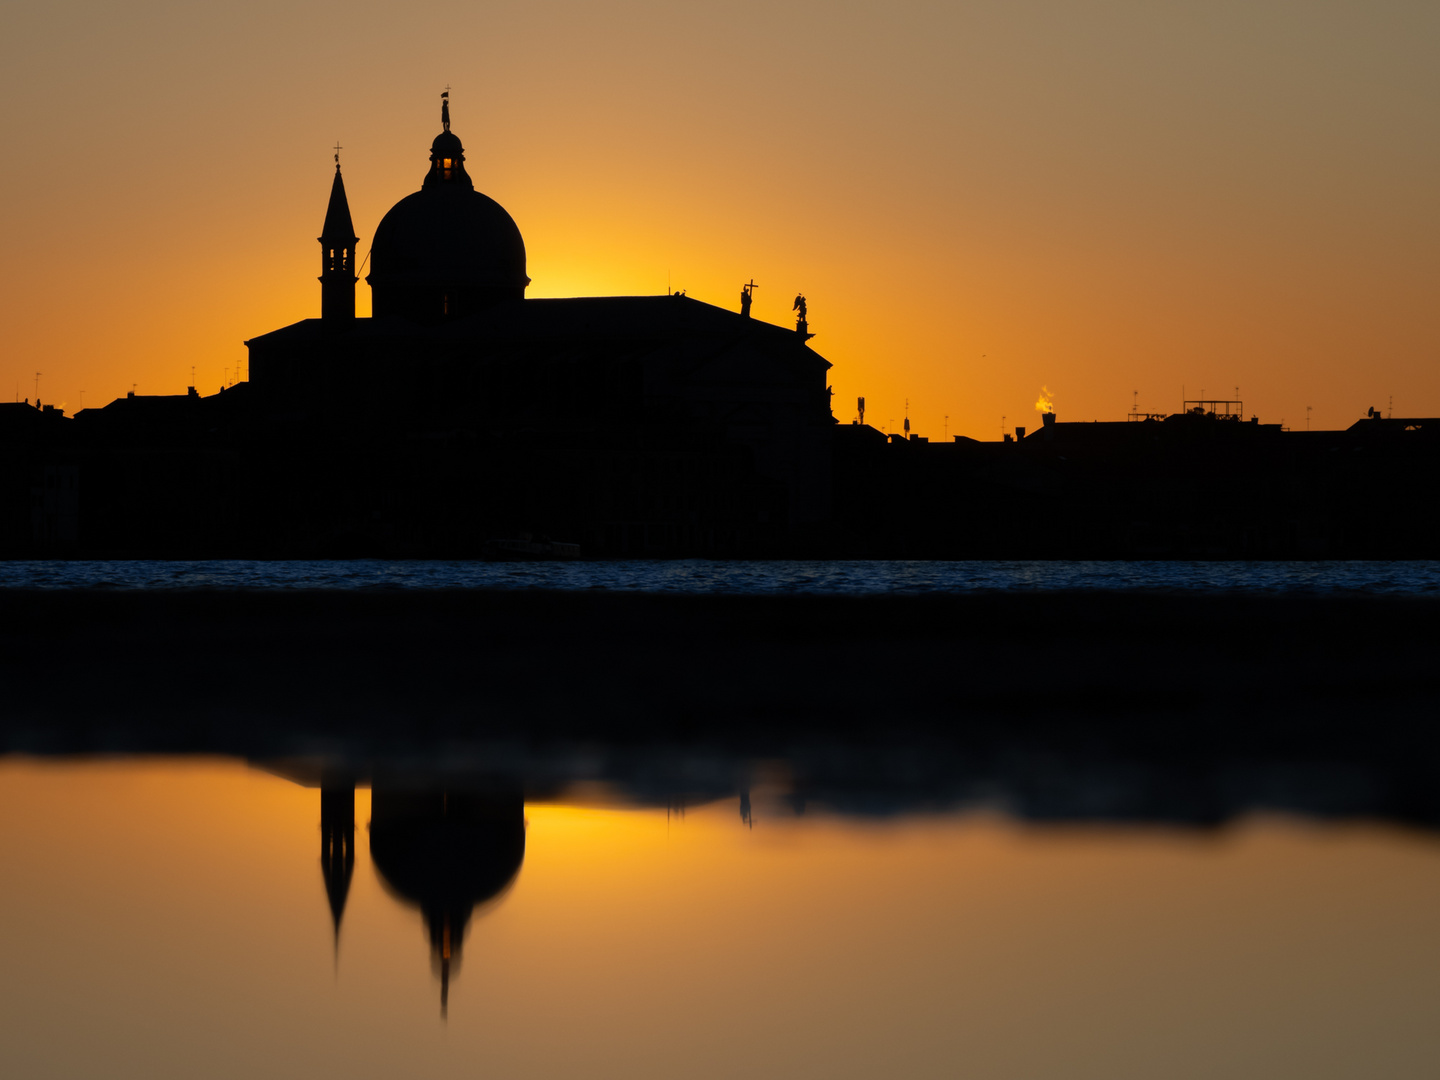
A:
979,199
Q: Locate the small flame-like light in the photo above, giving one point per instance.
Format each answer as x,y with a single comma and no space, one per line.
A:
1045,404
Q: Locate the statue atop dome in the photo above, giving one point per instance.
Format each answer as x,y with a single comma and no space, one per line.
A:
445,109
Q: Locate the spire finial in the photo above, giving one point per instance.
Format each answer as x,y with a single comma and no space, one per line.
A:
338,148
445,108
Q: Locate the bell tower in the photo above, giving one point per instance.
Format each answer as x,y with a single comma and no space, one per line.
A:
337,255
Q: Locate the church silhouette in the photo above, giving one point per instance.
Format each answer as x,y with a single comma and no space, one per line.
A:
633,425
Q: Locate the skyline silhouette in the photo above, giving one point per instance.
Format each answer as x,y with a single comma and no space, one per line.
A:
648,426
977,204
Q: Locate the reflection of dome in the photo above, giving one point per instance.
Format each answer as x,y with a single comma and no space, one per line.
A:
447,250
446,851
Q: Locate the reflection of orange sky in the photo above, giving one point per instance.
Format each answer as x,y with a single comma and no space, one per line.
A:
977,199
173,913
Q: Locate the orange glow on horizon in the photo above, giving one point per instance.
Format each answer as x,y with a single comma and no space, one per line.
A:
977,200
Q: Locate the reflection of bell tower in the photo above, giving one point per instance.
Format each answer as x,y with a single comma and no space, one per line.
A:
337,250
337,844
446,850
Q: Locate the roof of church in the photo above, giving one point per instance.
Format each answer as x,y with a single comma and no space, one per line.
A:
338,225
594,318
451,235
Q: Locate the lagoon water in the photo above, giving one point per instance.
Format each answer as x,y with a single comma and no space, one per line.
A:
176,917
708,576
168,918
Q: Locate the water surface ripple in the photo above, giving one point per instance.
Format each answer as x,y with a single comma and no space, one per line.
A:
735,577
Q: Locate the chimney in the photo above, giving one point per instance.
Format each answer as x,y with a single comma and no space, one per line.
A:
1048,419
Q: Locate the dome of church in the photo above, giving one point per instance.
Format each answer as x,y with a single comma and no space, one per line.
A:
447,250
454,236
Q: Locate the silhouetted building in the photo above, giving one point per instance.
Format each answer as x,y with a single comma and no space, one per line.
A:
641,425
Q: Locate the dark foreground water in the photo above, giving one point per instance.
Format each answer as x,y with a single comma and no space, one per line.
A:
187,917
709,577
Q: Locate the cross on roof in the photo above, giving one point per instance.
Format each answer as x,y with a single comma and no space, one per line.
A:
338,148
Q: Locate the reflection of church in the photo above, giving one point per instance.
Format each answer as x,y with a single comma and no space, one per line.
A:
444,849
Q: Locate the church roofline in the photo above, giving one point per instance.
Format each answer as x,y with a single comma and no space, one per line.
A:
594,317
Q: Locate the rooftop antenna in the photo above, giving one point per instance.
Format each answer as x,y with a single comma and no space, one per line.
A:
1307,417
907,417
37,386
947,427
1390,412
1002,428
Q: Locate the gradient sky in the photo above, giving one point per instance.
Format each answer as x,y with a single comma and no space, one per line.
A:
979,199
